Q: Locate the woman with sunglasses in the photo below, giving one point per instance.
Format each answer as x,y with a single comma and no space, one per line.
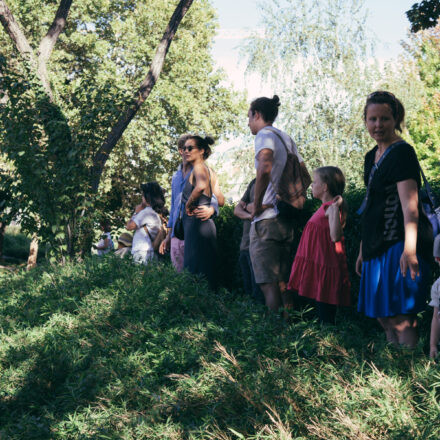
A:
200,253
396,235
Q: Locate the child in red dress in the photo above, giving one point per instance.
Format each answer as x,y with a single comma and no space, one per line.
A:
319,271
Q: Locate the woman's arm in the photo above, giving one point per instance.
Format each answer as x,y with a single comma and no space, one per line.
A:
218,193
131,224
359,261
409,199
201,179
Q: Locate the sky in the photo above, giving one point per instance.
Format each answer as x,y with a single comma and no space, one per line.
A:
237,18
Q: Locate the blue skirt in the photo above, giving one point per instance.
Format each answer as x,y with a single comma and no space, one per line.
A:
385,292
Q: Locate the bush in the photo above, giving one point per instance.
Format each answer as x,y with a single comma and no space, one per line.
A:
110,350
16,244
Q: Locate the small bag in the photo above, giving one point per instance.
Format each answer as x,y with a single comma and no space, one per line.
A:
178,226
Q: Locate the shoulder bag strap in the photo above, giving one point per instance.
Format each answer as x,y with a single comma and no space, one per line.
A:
429,191
280,138
373,170
270,128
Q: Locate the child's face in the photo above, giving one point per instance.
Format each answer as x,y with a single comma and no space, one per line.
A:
318,187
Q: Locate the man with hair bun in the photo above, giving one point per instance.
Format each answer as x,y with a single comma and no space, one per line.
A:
271,235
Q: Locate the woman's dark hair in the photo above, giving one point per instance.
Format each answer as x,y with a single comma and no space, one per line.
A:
268,108
105,225
154,196
383,97
333,178
203,144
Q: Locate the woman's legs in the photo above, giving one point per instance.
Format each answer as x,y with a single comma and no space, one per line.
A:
401,330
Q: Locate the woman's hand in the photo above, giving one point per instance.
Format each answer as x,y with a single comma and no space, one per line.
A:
189,208
204,212
359,263
164,247
433,351
410,261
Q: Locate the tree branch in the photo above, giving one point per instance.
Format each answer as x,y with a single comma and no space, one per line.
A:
21,43
144,91
12,28
49,40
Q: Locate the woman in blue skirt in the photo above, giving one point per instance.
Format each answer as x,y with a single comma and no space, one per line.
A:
396,234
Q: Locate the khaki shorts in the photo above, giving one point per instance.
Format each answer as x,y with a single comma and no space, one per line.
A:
271,250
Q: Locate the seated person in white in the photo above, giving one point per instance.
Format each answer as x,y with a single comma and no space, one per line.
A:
105,244
146,222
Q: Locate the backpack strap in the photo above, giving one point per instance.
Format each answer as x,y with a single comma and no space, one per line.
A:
280,138
270,128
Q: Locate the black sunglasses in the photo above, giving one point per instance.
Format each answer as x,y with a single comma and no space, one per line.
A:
190,148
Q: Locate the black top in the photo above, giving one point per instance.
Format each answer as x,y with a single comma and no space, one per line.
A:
382,221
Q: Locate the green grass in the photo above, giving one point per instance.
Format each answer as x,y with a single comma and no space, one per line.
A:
109,350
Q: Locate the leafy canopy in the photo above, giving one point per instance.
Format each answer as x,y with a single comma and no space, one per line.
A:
96,67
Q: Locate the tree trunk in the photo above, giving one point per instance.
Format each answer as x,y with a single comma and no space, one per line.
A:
33,252
2,237
142,94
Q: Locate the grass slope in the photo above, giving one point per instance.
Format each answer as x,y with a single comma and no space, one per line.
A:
109,350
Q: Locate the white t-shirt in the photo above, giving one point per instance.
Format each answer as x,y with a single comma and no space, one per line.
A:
100,243
266,138
141,240
435,294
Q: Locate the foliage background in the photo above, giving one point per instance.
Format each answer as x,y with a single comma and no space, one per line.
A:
95,69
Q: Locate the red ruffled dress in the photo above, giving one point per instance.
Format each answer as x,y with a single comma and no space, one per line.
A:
320,270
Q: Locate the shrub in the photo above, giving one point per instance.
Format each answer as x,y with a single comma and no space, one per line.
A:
16,244
107,349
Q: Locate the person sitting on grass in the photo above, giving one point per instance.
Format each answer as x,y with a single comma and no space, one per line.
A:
125,241
146,222
435,303
105,244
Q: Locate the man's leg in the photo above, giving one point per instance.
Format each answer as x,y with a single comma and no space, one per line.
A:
272,296
246,272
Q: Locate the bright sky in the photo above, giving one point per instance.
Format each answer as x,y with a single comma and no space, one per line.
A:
237,18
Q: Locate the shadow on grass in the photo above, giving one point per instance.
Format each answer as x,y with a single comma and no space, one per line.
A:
125,350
